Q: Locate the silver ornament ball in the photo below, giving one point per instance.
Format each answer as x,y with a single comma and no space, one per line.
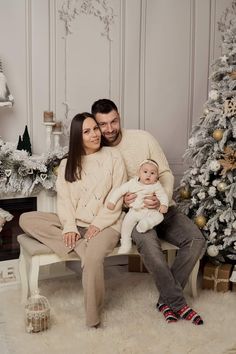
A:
212,251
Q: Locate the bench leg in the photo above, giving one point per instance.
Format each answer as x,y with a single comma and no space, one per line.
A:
193,279
23,276
34,275
171,253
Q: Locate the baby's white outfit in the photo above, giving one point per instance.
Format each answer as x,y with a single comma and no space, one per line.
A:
145,218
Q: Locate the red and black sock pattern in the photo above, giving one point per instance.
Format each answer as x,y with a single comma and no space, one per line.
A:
169,315
189,314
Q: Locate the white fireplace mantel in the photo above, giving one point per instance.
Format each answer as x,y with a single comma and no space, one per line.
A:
46,201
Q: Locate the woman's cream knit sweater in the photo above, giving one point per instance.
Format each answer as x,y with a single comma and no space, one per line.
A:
83,202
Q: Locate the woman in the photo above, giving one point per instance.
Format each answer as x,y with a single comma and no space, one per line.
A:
85,181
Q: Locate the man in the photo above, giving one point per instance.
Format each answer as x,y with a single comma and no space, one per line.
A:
136,146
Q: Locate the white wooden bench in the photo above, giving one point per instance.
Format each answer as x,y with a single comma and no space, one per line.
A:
34,254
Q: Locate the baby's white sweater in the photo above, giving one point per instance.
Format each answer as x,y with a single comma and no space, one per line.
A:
139,145
141,190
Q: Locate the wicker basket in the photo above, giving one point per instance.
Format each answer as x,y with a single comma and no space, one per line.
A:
37,314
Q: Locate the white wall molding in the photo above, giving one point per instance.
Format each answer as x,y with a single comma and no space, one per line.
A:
122,67
142,64
192,28
28,63
52,55
69,12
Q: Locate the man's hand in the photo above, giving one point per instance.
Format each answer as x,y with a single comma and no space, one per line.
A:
70,239
91,232
151,202
163,209
129,198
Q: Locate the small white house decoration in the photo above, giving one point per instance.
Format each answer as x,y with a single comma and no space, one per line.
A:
37,314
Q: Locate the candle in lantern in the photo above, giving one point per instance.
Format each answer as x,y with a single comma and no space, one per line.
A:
57,127
47,116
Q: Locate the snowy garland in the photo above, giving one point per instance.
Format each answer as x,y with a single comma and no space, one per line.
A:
27,175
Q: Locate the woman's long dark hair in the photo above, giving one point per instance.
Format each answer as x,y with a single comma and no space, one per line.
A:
76,148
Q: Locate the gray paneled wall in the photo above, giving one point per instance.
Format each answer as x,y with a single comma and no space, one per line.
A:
151,56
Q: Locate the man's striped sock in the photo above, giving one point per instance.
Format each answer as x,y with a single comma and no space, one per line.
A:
169,315
189,314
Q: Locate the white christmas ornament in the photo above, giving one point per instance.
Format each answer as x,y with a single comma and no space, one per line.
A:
214,165
224,59
214,95
212,251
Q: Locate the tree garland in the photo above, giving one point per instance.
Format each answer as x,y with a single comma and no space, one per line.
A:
27,175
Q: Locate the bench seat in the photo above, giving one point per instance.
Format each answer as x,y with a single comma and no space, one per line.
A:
34,254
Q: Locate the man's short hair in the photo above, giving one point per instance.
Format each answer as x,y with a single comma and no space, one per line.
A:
103,106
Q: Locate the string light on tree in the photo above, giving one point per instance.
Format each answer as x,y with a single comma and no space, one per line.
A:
221,186
184,193
200,221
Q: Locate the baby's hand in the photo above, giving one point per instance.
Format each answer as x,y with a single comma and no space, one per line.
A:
163,209
110,206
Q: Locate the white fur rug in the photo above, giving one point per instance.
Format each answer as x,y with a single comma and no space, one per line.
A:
131,324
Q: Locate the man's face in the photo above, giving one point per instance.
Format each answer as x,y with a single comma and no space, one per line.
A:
109,123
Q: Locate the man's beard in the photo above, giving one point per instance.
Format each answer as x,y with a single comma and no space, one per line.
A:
108,142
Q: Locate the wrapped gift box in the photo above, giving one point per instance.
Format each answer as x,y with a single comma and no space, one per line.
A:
216,277
233,279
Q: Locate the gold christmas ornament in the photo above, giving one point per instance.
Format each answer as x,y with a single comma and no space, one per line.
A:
218,134
184,193
200,221
221,186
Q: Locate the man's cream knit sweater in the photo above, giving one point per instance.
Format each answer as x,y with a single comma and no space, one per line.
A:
83,201
139,145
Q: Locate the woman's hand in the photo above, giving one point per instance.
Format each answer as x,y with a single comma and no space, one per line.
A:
110,206
70,239
91,232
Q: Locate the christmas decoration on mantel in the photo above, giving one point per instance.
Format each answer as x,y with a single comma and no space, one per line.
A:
207,190
27,175
24,142
6,99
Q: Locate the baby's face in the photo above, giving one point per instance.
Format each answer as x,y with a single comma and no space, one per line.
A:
148,173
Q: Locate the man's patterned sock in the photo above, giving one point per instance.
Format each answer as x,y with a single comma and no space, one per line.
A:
169,315
189,314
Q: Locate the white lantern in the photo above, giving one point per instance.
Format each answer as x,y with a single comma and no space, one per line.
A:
37,314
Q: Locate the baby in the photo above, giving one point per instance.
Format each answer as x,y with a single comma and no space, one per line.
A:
145,184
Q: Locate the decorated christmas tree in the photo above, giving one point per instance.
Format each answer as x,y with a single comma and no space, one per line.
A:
208,188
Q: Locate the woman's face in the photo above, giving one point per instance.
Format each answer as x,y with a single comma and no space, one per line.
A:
91,136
